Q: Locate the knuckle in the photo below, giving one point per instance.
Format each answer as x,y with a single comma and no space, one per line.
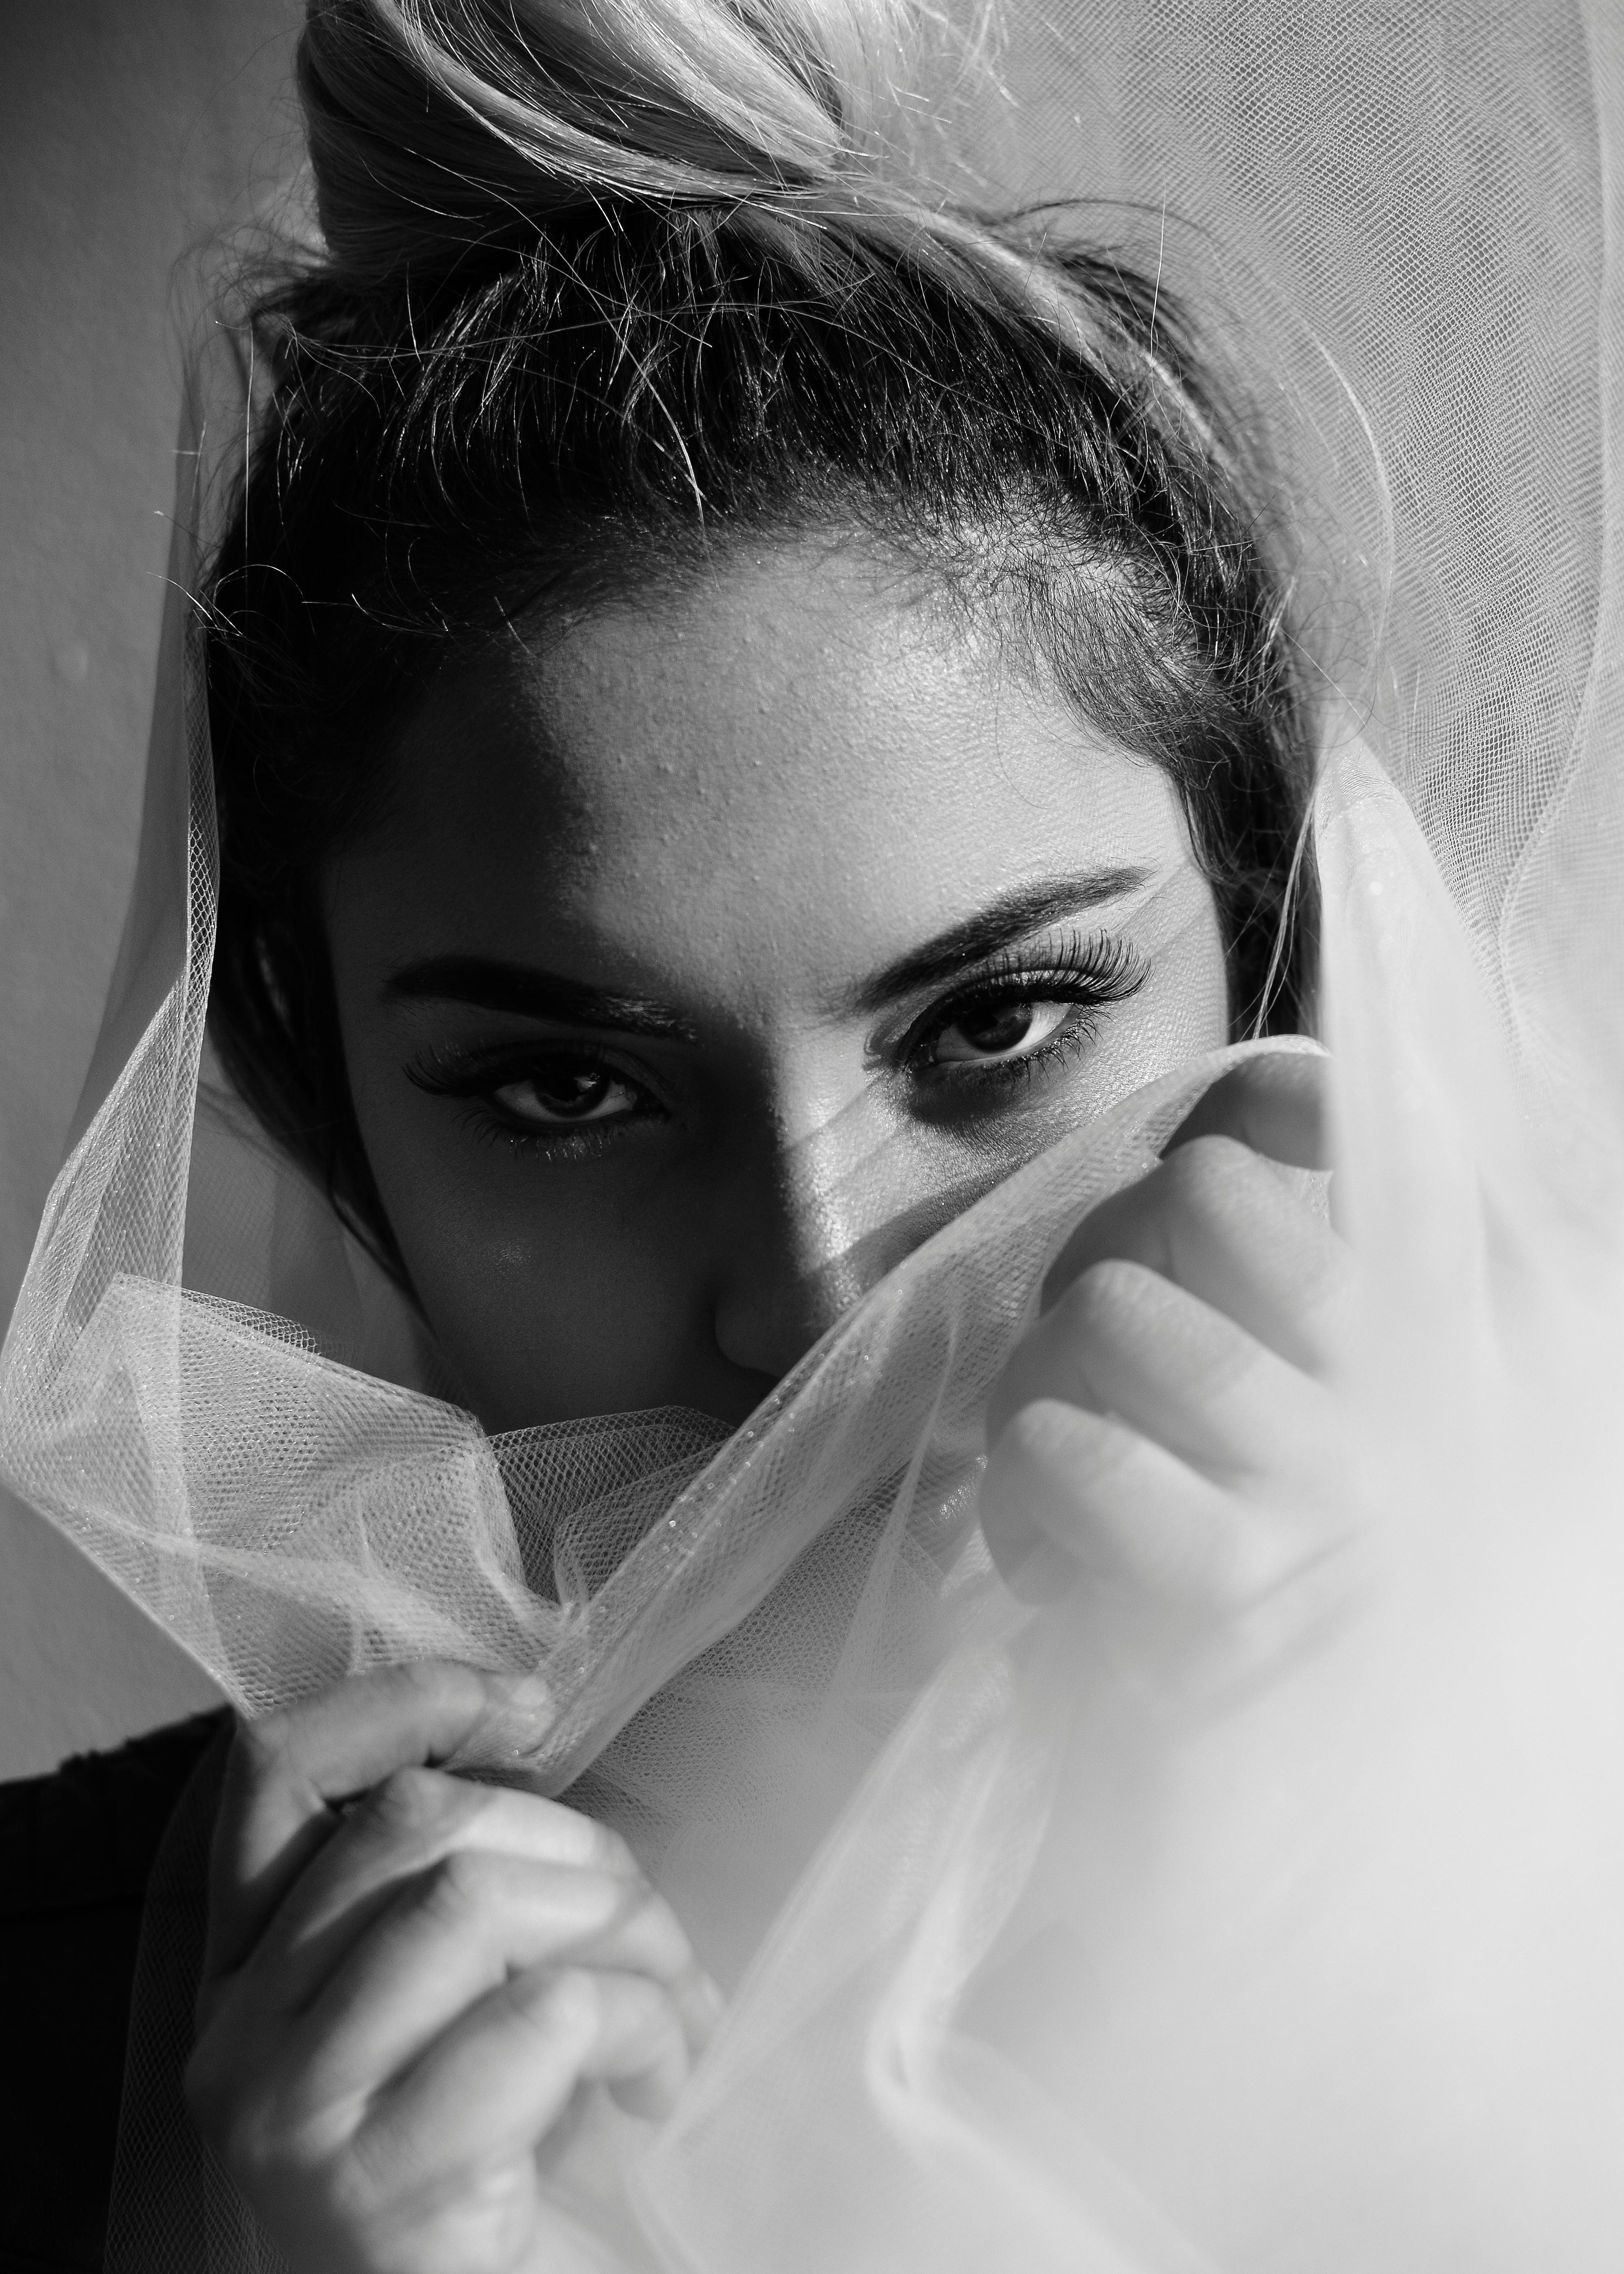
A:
1203,1173
263,1748
229,2116
644,2009
574,1995
1102,1296
610,1853
652,1927
590,1844
412,1804
1038,1432
457,1888
561,2005
1067,1445
437,1681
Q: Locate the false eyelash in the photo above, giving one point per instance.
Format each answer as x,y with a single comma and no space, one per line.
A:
1110,967
447,1070
444,1070
1094,971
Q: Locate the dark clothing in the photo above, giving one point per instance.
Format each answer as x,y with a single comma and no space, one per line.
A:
75,1852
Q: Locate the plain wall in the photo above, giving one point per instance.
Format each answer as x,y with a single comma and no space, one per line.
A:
128,128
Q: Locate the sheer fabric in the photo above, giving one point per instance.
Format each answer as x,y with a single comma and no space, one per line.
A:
1056,1941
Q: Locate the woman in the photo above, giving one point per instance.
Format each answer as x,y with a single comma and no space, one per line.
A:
746,707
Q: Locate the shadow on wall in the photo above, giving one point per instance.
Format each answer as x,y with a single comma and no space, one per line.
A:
126,133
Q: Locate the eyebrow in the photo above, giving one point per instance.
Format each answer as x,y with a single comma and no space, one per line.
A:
1003,924
486,984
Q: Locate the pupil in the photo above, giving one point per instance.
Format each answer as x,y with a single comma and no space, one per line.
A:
567,1092
1000,1027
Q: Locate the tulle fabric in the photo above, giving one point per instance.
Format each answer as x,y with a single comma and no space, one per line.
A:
1077,1938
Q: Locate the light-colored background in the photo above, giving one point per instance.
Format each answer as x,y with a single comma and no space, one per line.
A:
128,128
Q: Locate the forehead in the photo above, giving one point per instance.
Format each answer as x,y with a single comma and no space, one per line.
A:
801,758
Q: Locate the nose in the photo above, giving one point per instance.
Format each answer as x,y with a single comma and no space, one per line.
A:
811,1225
792,1261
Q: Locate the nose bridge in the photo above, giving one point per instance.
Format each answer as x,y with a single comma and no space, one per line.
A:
827,1199
827,1177
811,1189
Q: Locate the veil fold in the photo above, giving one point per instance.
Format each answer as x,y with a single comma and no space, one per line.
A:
1051,1945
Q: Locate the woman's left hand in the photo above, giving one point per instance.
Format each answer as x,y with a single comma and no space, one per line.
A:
1167,1425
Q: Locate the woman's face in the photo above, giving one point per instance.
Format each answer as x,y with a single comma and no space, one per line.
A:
713,951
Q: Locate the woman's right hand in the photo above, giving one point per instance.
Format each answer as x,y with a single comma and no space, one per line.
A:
1170,1426
409,1977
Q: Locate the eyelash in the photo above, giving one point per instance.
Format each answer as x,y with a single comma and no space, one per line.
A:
451,1073
1093,973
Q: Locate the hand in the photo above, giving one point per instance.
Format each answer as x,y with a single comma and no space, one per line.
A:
1166,1426
407,1978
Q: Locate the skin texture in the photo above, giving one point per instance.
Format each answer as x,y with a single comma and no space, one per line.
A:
744,802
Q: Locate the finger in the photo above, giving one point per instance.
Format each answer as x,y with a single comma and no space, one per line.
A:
1124,1341
404,1826
286,1770
504,2073
456,1933
1217,1220
1275,1104
1119,1508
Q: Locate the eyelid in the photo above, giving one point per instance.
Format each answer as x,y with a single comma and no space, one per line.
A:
1101,967
454,1070
476,1079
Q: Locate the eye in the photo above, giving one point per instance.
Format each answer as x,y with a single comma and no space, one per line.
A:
565,1093
1020,1017
981,1034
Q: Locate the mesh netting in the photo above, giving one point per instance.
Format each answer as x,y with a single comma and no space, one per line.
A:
1048,1955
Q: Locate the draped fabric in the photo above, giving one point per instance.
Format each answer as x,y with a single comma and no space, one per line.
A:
1054,1938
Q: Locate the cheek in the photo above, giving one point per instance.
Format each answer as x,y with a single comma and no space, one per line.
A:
523,1294
545,1311
553,1291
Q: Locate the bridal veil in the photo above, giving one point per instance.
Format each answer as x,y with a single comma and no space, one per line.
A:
1051,1945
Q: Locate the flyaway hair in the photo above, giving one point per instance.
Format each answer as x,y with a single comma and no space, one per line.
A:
440,131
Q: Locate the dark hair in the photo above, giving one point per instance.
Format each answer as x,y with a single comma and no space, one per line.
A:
486,409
